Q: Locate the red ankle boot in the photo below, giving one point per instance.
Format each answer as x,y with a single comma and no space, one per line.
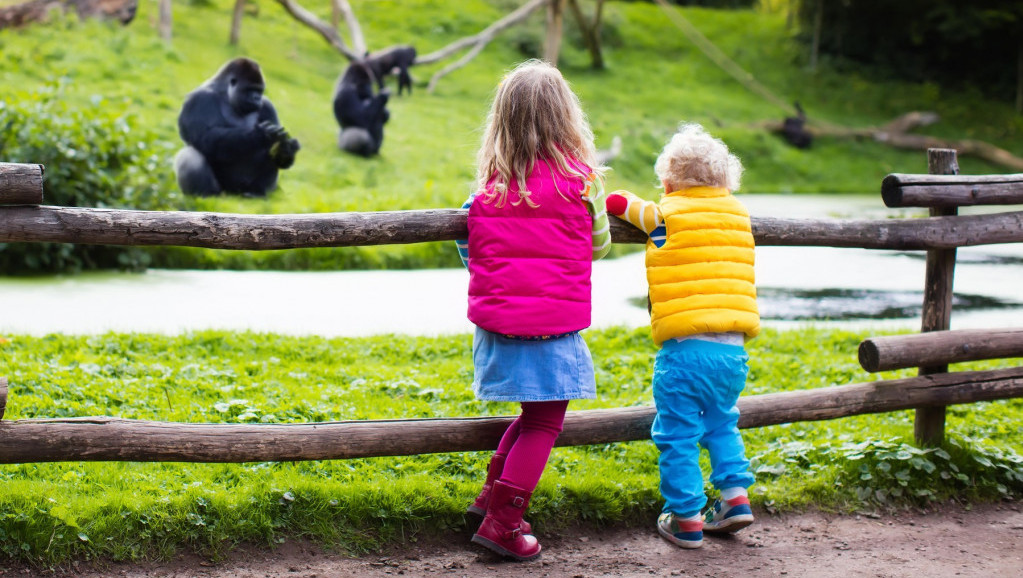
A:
501,529
478,509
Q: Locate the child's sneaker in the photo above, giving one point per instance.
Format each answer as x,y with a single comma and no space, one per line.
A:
680,532
728,516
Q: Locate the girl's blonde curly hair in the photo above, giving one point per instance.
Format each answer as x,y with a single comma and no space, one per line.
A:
534,115
693,158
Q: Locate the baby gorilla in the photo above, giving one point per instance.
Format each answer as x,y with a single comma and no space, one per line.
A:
234,141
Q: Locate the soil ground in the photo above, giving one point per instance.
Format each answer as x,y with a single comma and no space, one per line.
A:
984,541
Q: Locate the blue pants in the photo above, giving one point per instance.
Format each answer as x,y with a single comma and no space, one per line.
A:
696,385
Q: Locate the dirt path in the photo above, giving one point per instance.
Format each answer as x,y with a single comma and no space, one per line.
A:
985,541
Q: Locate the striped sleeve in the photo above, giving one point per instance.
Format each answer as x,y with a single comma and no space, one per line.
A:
644,215
463,244
595,197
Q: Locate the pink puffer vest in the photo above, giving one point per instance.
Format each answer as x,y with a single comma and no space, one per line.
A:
529,268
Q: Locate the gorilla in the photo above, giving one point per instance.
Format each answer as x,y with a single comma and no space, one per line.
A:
234,141
794,131
360,113
395,60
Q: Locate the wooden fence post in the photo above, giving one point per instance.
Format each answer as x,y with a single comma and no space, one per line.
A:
21,184
929,424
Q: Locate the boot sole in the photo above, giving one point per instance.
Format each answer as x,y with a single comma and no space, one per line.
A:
495,547
475,516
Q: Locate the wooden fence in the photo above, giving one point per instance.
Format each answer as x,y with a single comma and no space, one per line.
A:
24,219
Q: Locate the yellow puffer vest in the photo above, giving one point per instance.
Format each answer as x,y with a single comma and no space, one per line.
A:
701,279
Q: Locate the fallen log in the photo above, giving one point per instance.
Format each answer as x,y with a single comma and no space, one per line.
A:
895,133
266,232
35,11
939,348
114,439
21,184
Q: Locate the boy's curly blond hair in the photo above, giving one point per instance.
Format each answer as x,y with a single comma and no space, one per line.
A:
693,158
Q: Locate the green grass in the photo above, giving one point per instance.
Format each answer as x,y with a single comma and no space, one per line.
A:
654,80
50,513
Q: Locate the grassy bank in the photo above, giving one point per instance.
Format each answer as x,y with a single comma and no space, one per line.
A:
51,513
655,78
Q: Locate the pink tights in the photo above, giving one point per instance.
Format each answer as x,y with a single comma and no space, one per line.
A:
528,441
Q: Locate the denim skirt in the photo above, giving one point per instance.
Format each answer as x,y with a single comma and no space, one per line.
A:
541,370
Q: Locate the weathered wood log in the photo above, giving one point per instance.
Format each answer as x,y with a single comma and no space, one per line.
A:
894,134
265,232
113,439
880,396
904,190
3,396
929,424
939,348
39,11
21,184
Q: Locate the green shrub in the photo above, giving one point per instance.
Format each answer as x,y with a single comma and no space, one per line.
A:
94,157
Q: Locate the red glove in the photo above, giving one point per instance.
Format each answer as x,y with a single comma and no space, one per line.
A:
616,204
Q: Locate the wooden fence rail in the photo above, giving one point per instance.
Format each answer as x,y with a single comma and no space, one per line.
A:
264,232
939,348
114,439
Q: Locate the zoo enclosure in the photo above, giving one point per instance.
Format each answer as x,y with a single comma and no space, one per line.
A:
24,219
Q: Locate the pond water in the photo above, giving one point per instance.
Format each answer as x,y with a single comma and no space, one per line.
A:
853,288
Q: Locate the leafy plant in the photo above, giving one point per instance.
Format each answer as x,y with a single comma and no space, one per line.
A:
94,157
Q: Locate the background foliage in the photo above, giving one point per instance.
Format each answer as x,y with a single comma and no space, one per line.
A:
654,79
975,44
94,157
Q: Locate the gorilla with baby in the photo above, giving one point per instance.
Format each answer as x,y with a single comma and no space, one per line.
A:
360,113
234,140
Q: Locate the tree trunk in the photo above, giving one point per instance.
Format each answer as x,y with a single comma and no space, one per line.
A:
1019,79
165,25
590,32
555,18
236,22
818,23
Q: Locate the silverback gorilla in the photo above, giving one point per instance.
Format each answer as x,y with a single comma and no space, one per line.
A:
234,141
395,60
360,113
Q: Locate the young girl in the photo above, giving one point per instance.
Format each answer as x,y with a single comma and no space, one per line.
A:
536,223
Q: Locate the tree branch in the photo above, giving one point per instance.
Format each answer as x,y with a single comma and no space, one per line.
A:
478,42
329,34
345,9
